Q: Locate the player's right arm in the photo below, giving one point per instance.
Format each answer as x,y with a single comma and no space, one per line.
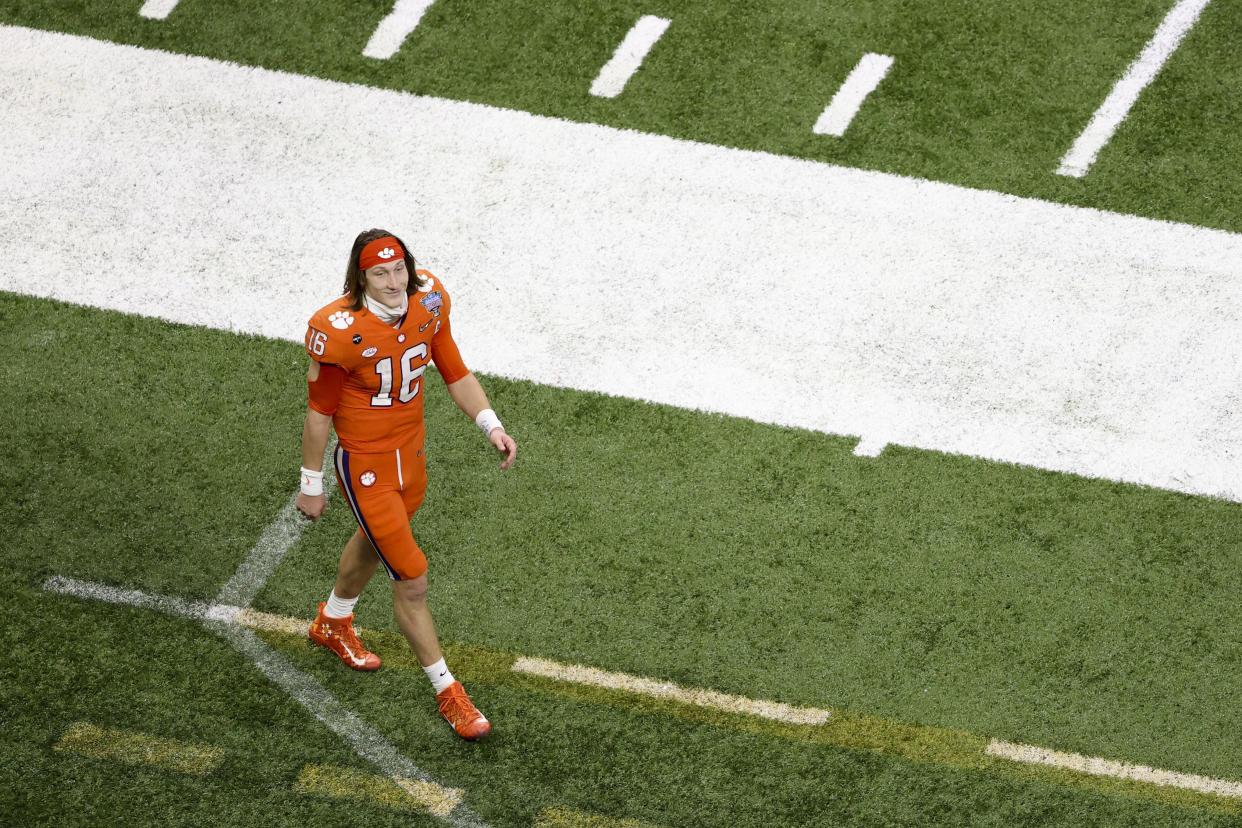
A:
324,383
314,440
315,433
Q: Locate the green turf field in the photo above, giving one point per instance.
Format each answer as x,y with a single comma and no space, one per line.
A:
908,590
932,602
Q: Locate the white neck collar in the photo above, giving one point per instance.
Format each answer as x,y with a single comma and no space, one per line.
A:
385,313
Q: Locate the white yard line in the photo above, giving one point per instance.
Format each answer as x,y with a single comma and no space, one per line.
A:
1116,107
862,81
272,546
157,9
232,622
577,674
366,741
442,801
1108,767
616,73
395,28
277,539
778,289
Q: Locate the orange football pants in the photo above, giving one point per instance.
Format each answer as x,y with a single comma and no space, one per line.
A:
384,490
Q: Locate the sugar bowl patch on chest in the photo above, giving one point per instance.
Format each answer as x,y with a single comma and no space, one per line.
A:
433,301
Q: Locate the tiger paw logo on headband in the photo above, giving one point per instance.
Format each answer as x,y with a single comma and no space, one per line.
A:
341,320
386,253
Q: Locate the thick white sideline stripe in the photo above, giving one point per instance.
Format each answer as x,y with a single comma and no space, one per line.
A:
783,290
365,740
616,73
845,104
157,9
1141,72
1107,767
578,674
395,28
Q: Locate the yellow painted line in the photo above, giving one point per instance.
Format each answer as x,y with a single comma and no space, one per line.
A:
839,728
1108,767
86,739
275,623
578,674
562,817
360,786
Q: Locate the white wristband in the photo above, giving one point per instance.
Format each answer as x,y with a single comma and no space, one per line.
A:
487,421
312,482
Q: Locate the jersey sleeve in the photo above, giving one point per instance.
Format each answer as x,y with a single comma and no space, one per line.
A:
444,352
324,393
327,336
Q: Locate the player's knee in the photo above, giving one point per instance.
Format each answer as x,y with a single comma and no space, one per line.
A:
413,590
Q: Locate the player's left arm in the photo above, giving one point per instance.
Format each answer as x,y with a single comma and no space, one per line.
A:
463,386
468,393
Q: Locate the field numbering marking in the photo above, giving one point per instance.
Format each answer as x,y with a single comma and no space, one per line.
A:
133,748
617,72
395,28
1116,107
845,104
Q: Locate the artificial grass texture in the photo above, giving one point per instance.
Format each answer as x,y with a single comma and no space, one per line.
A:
479,667
982,96
930,591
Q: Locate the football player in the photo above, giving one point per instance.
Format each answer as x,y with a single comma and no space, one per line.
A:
368,352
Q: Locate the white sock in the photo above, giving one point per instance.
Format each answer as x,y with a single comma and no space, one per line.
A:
339,607
439,675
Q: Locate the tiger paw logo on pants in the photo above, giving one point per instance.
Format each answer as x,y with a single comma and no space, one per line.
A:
341,320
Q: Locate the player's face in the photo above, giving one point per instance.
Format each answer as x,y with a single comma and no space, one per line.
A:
386,283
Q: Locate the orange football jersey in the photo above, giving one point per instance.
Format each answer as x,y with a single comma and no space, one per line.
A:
381,402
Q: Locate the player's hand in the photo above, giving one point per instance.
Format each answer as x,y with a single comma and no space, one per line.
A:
505,445
312,505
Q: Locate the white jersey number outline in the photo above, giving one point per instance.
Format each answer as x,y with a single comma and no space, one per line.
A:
410,376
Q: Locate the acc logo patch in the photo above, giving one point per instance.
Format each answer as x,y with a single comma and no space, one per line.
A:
432,301
370,352
341,320
367,478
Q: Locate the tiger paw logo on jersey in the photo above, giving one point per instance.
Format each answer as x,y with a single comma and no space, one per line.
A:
341,320
367,478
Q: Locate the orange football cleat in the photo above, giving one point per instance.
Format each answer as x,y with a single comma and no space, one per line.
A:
337,634
457,709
